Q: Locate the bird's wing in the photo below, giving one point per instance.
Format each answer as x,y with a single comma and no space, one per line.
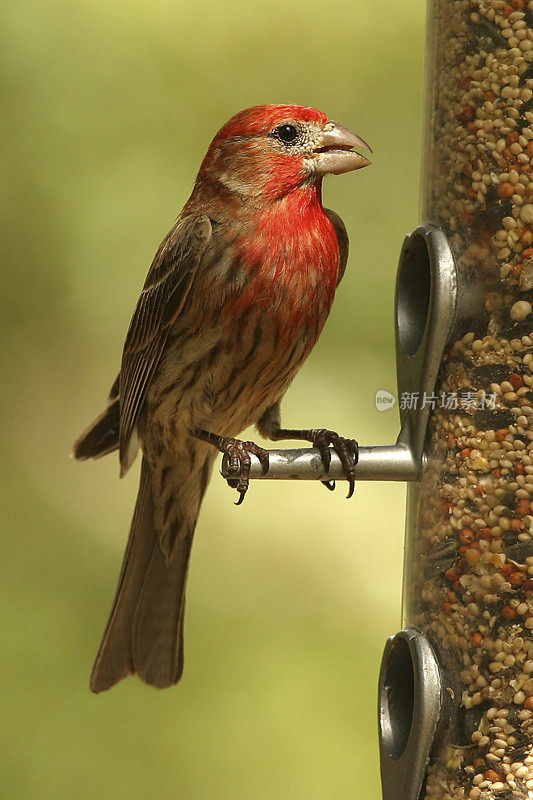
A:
163,296
342,238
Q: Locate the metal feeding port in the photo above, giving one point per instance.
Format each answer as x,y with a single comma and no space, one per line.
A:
409,710
426,299
410,692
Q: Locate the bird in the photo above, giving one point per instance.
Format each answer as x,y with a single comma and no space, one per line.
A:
234,301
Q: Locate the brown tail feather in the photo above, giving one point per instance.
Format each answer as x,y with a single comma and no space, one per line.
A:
144,633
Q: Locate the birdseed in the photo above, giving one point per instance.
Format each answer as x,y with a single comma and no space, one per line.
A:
472,586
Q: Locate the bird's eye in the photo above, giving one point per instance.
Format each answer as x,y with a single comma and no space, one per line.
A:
287,133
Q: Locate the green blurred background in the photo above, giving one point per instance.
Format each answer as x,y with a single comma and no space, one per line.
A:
108,108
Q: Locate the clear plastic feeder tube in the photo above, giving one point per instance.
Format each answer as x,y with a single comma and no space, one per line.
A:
469,557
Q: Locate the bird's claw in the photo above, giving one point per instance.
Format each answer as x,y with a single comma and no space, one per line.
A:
239,463
346,449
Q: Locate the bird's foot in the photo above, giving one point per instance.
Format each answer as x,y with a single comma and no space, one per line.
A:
239,462
346,449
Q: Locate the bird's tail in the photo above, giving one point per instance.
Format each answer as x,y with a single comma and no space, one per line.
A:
144,633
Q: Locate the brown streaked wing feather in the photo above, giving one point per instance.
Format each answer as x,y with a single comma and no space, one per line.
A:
113,392
342,238
164,293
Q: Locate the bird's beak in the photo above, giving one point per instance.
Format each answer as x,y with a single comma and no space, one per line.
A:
334,153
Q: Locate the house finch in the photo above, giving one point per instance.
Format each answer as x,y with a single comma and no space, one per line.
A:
234,301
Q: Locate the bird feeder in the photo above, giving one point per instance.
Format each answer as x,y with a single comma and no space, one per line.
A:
456,683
